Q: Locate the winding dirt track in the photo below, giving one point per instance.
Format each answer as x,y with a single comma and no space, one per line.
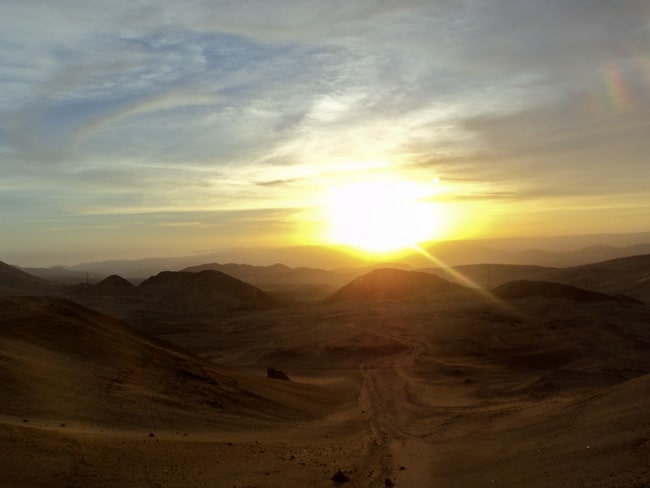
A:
397,452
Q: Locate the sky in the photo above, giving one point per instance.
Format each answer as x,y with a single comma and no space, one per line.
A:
150,128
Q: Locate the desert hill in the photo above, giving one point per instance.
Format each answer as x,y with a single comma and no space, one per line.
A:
92,402
111,286
544,390
274,274
628,275
115,284
207,289
67,362
602,441
526,288
489,275
389,283
16,281
300,283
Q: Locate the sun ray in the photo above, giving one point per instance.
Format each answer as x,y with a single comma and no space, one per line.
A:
468,282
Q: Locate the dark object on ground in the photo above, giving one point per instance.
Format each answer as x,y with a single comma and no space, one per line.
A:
276,374
340,477
388,483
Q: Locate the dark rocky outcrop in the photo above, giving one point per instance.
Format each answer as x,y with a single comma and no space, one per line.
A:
340,477
276,374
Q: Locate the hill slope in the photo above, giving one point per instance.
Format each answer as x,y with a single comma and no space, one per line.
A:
389,283
629,275
205,290
63,360
525,288
16,281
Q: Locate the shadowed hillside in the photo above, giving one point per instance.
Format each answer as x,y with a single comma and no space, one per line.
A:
491,275
60,359
205,290
629,275
525,288
16,281
115,283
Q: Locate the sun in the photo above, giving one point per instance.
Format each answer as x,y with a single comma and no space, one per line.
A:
382,217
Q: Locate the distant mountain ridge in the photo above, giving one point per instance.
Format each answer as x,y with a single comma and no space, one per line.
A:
628,275
561,251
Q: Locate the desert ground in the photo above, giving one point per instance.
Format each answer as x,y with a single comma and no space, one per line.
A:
396,379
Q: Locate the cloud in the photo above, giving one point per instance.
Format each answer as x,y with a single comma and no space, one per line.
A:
153,105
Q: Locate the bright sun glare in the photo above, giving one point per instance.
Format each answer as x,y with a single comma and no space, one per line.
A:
383,217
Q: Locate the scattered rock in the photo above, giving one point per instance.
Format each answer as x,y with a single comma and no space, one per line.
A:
151,434
388,483
339,477
402,468
276,374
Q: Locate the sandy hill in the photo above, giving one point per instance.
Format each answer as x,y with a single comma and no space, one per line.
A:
490,275
115,284
389,283
277,274
205,290
629,275
525,289
16,281
599,441
286,283
63,361
112,286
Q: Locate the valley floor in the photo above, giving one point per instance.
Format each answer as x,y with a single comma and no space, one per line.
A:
415,405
